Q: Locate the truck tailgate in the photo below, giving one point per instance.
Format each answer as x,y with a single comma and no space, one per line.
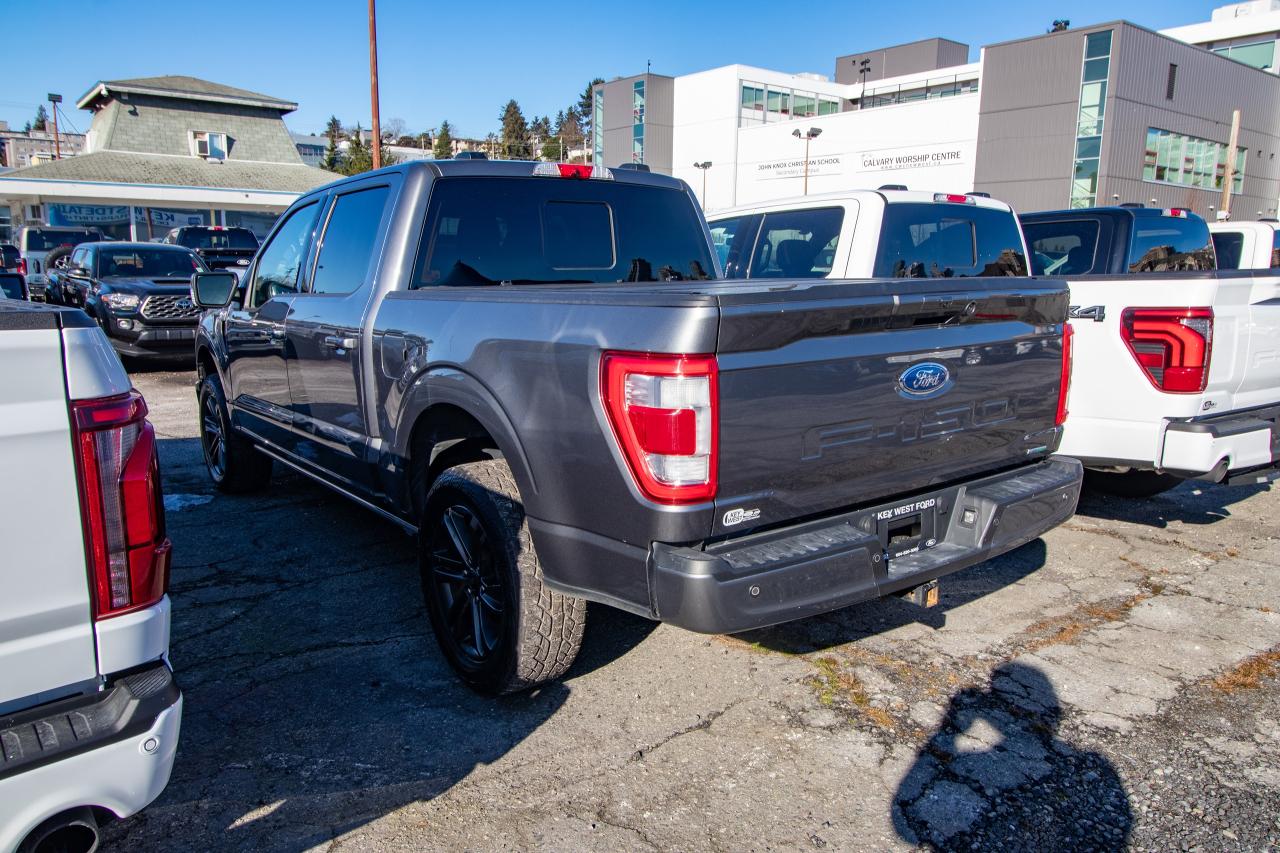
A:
837,393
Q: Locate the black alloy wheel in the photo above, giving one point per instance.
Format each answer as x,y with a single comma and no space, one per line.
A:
213,437
468,585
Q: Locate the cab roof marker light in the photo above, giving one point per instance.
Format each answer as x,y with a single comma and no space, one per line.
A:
953,198
572,170
1177,212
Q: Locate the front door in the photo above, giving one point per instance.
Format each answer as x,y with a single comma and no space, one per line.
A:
255,331
327,347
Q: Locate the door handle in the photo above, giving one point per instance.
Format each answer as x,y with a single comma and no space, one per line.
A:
336,342
277,334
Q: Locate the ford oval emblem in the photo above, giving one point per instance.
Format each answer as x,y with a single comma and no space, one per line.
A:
924,380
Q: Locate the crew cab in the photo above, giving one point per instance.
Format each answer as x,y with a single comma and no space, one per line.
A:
89,711
139,293
539,370
1177,363
42,245
1247,245
218,246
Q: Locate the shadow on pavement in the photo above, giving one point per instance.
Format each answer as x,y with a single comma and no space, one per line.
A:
876,617
316,699
1189,503
996,776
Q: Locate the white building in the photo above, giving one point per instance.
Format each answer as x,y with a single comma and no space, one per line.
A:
1246,32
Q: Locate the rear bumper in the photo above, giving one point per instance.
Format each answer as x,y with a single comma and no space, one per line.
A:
1235,447
780,575
114,749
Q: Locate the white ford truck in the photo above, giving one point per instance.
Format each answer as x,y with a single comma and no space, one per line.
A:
89,711
1247,245
1176,364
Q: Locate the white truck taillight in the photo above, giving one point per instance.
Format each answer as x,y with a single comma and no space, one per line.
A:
1171,345
663,412
121,503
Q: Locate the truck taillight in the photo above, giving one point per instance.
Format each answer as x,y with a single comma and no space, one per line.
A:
1171,345
22,266
663,410
1064,385
121,503
572,170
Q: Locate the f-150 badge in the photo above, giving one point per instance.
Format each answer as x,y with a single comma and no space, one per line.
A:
924,380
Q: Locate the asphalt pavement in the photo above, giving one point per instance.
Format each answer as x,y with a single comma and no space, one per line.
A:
1115,685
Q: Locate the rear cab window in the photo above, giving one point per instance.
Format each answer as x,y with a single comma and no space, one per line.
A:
43,241
944,240
483,231
1228,246
217,238
1170,243
797,243
1067,247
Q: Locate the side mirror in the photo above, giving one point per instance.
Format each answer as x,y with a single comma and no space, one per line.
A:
213,289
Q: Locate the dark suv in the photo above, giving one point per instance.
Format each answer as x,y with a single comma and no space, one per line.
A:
140,293
219,247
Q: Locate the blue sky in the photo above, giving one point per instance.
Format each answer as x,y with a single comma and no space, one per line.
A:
462,61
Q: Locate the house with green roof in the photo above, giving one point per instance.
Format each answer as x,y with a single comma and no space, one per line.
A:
168,151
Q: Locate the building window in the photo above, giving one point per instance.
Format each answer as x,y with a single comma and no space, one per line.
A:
828,106
209,145
1259,54
637,122
597,126
1170,82
804,105
779,105
1174,158
1095,69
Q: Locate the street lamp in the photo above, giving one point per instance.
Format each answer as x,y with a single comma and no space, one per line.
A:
808,136
703,167
864,68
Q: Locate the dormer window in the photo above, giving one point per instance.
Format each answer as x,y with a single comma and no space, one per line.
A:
209,145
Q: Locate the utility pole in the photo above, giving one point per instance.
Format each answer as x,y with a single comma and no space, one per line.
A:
812,134
373,86
1230,174
54,100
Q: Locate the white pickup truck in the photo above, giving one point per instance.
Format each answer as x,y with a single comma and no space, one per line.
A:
89,711
1247,245
1176,364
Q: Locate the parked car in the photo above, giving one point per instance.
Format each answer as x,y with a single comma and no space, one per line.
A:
219,247
868,233
10,258
139,293
43,245
89,711
1247,245
536,367
13,286
1175,369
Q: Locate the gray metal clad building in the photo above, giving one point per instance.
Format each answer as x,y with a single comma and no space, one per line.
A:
924,55
637,120
1118,113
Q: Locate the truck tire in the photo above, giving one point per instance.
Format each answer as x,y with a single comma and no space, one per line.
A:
498,625
1130,484
233,465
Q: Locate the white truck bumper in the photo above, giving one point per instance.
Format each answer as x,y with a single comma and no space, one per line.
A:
1235,446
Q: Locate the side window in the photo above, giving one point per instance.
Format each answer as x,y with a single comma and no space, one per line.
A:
797,243
1167,243
944,240
281,260
732,239
78,258
349,237
1228,246
1062,248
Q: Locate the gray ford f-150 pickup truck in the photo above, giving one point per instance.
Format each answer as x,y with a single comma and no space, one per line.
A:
536,368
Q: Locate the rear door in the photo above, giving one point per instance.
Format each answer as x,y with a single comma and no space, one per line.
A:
324,331
46,632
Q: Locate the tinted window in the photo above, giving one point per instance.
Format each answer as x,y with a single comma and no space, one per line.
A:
1228,246
1062,248
146,263
217,238
11,287
1275,249
78,257
1167,243
11,256
482,231
944,240
281,260
43,241
797,243
348,241
733,240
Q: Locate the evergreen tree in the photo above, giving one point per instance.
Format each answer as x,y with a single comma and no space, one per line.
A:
443,148
359,158
569,129
332,160
333,129
42,119
587,99
553,149
515,132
